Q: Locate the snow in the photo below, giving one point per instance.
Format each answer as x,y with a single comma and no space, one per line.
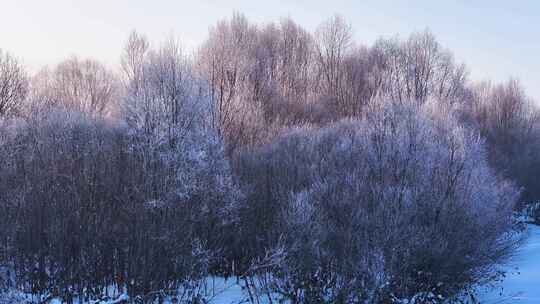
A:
229,292
221,291
522,283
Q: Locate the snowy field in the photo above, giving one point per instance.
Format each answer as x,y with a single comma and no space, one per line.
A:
522,284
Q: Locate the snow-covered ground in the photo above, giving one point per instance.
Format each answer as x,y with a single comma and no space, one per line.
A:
220,291
522,283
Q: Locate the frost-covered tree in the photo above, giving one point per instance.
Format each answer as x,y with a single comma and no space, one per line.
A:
76,85
13,85
333,43
132,59
419,69
226,60
168,113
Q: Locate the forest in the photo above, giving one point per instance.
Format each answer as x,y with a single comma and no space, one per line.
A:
304,166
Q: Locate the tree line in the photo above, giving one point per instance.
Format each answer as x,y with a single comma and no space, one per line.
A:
310,167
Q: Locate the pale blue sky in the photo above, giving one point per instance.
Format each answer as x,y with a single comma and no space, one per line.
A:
496,39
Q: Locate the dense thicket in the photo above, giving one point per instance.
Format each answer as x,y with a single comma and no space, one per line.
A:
398,201
88,205
313,168
138,204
